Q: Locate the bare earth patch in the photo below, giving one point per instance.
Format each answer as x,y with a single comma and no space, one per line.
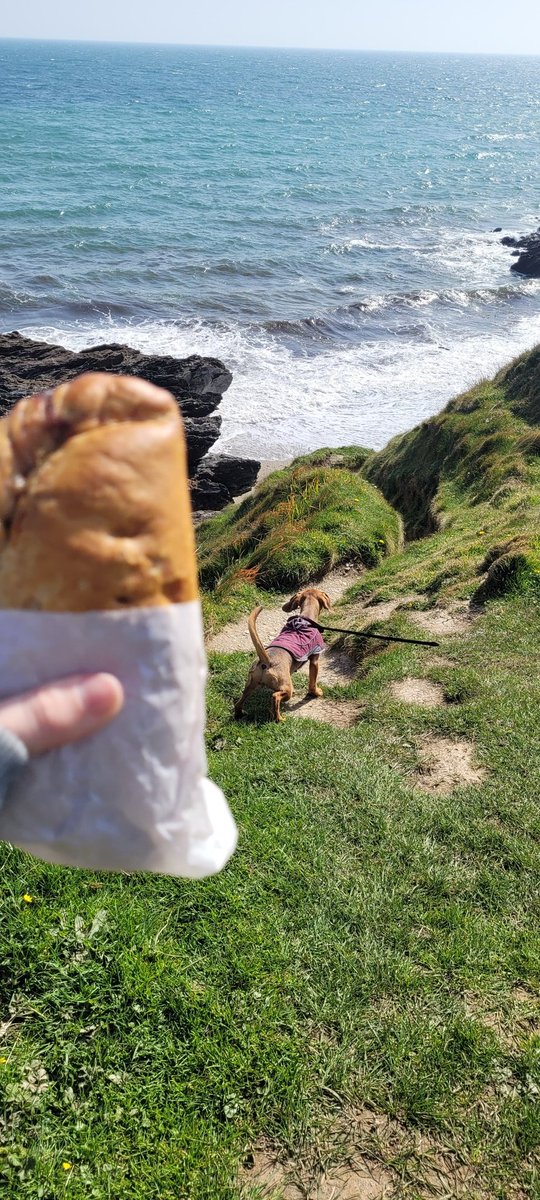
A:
364,1183
418,691
439,660
342,714
445,764
445,622
273,1180
337,668
521,995
379,1158
426,1167
379,610
513,1020
494,1019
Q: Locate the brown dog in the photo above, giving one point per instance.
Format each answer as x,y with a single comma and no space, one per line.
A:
276,664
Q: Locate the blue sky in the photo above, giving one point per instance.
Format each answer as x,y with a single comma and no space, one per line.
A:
487,26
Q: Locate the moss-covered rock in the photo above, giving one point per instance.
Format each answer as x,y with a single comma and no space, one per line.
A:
513,567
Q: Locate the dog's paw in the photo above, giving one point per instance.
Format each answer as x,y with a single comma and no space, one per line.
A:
317,693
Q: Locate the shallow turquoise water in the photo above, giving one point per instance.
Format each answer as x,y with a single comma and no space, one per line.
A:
321,221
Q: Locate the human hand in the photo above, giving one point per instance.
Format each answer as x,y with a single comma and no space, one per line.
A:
63,711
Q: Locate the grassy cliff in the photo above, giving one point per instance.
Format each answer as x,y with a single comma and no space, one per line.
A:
298,524
351,1008
472,473
465,485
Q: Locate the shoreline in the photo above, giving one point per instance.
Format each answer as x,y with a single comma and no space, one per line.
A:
363,393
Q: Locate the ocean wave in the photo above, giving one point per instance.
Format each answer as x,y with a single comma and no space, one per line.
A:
16,301
448,260
362,393
360,318
331,325
367,243
507,137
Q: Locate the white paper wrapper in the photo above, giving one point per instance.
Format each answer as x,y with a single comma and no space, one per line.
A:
135,796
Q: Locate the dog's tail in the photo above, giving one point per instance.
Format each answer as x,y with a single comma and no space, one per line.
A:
252,626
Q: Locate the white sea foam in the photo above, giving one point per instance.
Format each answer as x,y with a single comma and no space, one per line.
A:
281,404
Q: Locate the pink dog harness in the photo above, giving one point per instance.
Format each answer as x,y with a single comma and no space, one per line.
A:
300,638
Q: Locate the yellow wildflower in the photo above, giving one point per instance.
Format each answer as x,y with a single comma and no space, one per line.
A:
3,1060
28,899
67,1166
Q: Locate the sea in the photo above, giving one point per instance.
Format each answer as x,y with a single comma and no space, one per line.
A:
323,222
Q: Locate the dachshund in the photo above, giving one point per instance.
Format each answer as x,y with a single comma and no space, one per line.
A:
298,642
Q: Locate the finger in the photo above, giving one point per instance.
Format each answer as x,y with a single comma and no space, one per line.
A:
63,712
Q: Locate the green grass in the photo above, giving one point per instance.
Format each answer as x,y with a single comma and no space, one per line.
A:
349,955
482,448
481,552
299,523
370,948
353,458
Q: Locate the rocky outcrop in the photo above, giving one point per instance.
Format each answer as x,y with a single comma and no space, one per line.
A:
219,478
196,383
526,251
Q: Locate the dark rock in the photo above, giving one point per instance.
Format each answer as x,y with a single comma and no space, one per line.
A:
498,229
220,477
196,383
526,251
200,435
27,366
528,263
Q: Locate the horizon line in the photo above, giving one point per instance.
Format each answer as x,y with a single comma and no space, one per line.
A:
264,46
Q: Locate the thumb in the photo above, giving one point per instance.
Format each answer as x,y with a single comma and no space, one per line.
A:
62,712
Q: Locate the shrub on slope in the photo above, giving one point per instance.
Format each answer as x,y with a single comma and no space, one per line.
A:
299,523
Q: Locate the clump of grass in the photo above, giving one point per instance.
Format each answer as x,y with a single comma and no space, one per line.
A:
299,523
351,457
515,569
521,381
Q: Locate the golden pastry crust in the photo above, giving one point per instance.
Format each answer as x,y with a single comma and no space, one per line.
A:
94,499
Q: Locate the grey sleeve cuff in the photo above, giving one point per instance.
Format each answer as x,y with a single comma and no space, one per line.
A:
13,757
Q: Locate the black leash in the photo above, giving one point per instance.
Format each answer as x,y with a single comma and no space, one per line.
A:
382,637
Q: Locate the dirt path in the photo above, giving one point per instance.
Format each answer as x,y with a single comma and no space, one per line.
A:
236,635
446,622
443,763
338,668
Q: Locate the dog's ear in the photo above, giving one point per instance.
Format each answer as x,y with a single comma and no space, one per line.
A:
293,603
325,601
